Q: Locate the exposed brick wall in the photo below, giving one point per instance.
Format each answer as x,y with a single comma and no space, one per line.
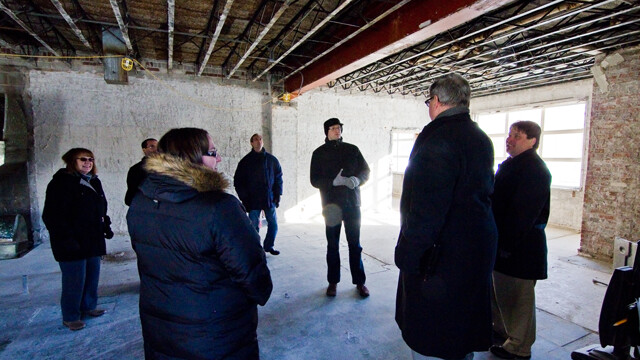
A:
612,191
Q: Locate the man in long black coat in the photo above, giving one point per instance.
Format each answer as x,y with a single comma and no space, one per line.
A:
447,243
521,208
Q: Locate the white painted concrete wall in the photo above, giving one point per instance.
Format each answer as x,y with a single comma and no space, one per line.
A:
79,109
368,120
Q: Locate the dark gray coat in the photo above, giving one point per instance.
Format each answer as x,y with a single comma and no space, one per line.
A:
443,306
521,208
202,268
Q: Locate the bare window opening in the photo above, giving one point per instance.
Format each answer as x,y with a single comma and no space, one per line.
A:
561,143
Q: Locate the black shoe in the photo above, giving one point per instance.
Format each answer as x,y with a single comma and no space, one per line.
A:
500,352
95,312
74,325
332,290
272,251
362,290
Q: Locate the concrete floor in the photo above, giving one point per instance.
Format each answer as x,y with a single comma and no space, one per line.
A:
299,321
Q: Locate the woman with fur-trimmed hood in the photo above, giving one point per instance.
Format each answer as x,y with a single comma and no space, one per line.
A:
202,268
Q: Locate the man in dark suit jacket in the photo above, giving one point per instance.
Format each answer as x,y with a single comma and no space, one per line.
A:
136,173
521,208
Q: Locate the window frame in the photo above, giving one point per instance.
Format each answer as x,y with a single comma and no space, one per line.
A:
392,142
544,106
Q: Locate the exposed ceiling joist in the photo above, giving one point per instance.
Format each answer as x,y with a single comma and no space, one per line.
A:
312,32
409,25
15,18
71,23
121,24
171,9
306,86
258,39
393,46
216,34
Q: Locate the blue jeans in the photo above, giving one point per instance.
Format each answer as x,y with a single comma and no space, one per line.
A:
272,225
79,287
351,219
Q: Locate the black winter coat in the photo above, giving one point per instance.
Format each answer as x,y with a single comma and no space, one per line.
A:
75,212
202,268
521,208
445,311
258,181
326,162
135,176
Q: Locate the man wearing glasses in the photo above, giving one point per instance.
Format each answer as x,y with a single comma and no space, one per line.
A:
337,170
447,243
136,173
258,182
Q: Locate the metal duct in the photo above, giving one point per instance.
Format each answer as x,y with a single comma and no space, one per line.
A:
113,44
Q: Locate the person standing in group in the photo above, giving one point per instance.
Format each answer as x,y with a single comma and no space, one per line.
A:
136,173
258,182
447,243
521,208
202,269
338,169
75,213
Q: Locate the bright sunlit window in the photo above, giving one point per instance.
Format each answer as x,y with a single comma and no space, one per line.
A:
401,145
561,143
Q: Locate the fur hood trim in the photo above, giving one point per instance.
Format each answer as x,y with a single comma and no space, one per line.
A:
196,176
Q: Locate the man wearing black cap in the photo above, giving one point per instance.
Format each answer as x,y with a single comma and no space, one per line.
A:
338,169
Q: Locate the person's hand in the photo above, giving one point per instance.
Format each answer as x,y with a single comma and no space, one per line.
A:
352,182
276,201
108,234
340,180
